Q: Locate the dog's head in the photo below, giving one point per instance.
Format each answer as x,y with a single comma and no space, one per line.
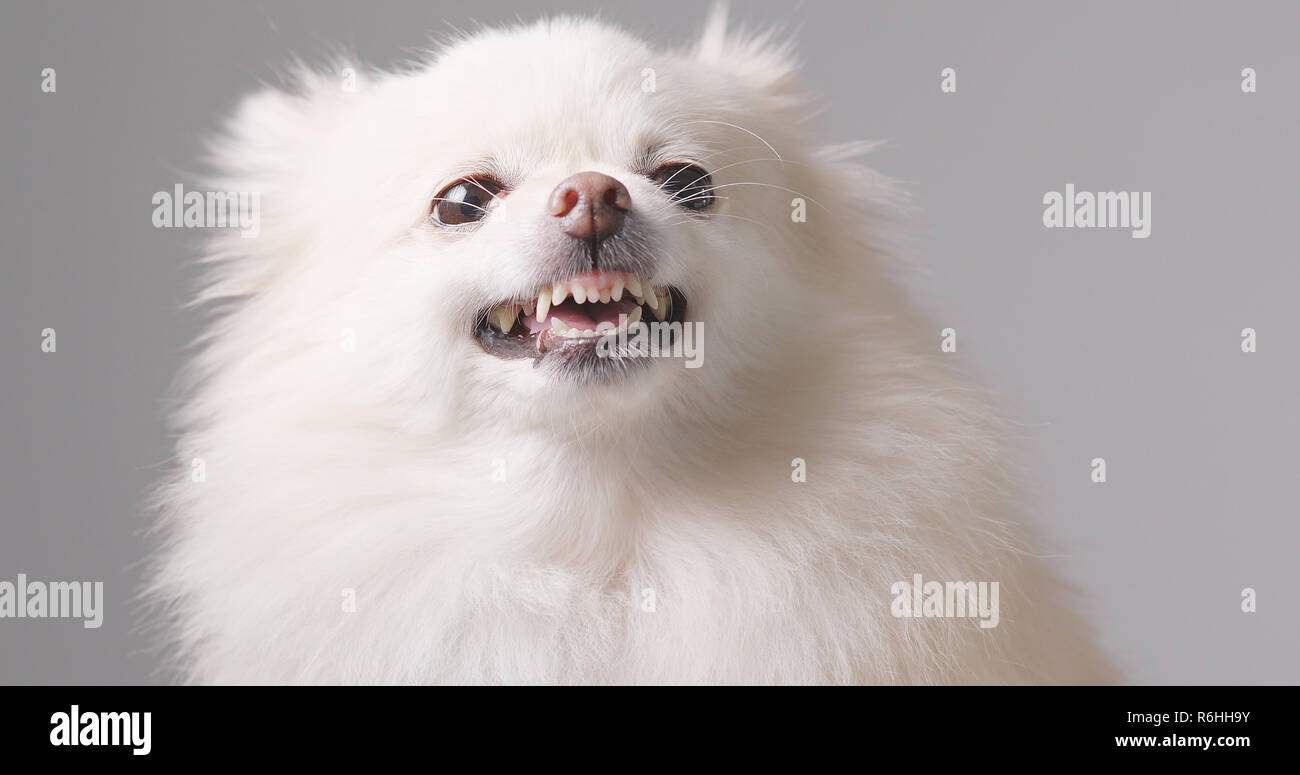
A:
476,233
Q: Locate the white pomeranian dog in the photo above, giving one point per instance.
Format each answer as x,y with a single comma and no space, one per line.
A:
420,442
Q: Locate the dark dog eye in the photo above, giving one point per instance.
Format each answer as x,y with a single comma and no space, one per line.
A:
687,185
464,201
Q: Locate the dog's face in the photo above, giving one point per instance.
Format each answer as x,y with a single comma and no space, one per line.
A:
568,210
482,224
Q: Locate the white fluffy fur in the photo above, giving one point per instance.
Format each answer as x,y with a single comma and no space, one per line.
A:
371,470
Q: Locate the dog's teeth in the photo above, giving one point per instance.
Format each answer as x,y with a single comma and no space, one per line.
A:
660,308
543,304
503,318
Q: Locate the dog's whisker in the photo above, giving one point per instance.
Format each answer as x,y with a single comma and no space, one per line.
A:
704,220
763,185
752,161
701,195
751,133
461,203
703,159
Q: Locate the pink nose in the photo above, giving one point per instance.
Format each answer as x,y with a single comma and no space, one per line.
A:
590,205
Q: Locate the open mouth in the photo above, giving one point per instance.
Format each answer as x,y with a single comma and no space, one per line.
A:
575,313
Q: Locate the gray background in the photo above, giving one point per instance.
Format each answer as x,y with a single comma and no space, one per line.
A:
1101,345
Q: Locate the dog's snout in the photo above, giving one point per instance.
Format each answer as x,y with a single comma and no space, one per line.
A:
590,205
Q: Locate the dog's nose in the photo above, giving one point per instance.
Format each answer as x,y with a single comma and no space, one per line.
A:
590,205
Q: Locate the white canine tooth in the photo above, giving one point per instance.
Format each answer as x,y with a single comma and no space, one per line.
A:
579,294
605,296
616,293
505,318
558,325
634,286
660,309
558,293
652,299
634,317
543,304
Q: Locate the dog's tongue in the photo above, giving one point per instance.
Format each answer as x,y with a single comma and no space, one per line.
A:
583,316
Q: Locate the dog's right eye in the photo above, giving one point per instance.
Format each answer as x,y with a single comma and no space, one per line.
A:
464,201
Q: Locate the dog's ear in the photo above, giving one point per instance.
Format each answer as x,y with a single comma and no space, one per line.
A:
265,155
761,63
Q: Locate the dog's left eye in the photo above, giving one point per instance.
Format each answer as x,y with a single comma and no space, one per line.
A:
464,201
687,185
